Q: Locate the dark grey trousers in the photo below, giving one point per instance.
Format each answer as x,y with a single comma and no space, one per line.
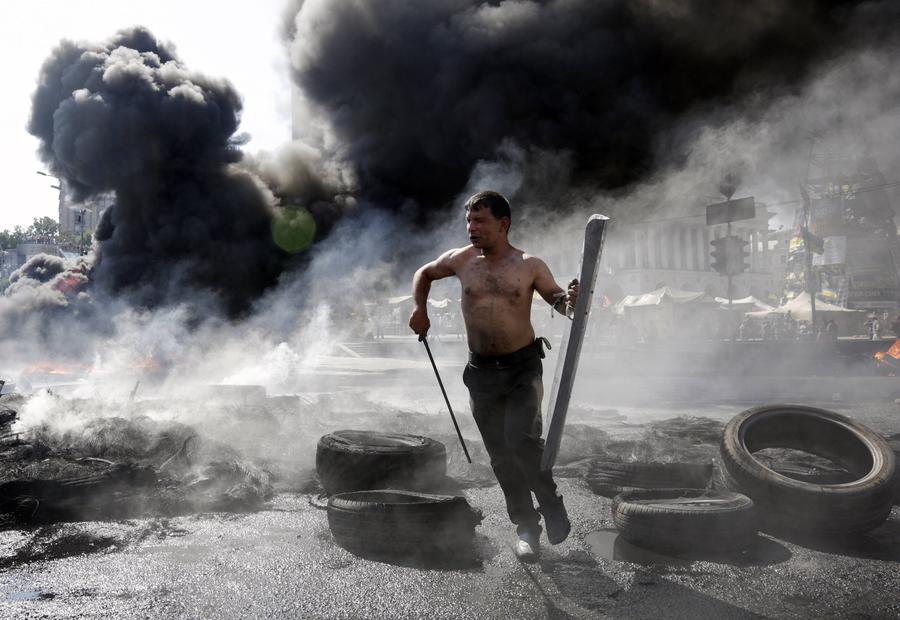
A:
506,405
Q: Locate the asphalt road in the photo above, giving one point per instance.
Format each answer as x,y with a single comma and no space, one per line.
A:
282,562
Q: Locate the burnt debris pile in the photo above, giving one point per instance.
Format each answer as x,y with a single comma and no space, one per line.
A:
116,468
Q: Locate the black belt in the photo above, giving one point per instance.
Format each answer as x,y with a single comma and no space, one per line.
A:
510,359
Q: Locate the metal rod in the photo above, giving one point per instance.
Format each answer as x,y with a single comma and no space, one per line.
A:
447,400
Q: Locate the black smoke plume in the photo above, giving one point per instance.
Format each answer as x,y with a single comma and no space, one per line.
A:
417,93
47,304
126,116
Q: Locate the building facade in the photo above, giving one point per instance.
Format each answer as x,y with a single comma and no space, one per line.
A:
644,256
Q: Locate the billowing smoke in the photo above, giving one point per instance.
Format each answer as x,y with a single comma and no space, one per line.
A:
416,94
126,116
47,304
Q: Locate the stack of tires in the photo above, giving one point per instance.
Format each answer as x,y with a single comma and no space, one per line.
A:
378,503
760,494
669,507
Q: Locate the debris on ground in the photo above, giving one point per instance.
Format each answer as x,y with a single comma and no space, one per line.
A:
115,468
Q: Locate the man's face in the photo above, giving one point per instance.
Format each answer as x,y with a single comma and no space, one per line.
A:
484,229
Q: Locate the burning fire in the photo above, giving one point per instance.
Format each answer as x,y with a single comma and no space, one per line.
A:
59,370
887,357
71,285
146,365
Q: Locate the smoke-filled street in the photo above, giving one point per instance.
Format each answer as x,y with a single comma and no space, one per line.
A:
459,308
279,560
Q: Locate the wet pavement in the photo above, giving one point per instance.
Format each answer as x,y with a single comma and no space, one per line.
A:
281,562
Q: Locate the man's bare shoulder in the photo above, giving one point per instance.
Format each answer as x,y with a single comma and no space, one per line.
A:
533,261
459,256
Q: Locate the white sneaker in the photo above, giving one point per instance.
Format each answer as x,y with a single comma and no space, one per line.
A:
527,547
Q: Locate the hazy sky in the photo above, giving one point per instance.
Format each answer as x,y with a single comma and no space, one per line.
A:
235,39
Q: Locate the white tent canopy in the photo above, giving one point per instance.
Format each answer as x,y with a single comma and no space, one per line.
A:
660,296
800,310
750,303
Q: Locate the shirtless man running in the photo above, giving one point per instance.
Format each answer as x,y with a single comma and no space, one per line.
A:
504,373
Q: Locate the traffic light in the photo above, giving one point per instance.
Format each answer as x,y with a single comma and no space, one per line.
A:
729,255
720,255
737,253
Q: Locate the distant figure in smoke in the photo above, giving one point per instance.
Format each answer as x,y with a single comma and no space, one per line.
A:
504,373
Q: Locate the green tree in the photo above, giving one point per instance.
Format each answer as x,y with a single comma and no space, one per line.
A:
10,239
44,228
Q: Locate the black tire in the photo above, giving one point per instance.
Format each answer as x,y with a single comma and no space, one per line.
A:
609,478
894,443
360,460
395,523
791,505
686,519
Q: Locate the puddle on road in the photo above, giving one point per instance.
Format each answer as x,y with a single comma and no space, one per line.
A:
608,544
30,596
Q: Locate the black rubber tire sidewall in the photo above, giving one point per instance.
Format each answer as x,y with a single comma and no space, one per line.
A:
609,478
368,526
728,525
351,460
788,504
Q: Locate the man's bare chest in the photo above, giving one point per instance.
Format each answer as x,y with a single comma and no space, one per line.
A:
482,281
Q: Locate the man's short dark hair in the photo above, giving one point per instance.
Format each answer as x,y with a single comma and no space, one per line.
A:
498,205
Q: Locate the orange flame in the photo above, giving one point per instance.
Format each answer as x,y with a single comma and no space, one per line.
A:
886,357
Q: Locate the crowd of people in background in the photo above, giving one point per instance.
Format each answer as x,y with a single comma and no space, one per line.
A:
784,327
381,320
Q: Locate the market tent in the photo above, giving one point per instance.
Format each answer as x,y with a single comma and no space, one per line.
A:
667,311
749,304
662,296
800,310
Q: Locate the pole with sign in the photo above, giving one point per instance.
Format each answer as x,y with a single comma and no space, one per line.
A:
726,213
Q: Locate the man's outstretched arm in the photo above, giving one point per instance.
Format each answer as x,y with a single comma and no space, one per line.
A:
424,276
550,291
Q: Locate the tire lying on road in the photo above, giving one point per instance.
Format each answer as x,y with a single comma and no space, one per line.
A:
799,506
609,478
894,443
686,519
401,523
353,460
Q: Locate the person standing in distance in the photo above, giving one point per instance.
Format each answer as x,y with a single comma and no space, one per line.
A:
504,373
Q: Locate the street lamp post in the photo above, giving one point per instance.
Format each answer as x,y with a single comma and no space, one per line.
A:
81,212
81,223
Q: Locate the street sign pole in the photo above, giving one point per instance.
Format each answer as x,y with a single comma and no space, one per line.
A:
811,287
726,213
730,312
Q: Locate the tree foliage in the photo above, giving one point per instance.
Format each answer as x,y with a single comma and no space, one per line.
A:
41,228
